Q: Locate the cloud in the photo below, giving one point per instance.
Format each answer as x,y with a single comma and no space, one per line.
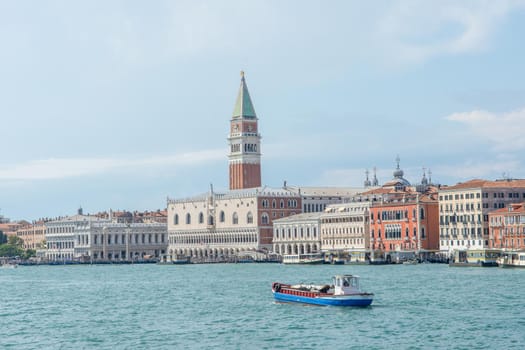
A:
415,31
496,168
503,131
392,32
60,168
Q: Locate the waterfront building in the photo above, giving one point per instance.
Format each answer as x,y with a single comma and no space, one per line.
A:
405,224
297,234
403,218
10,228
103,237
97,240
33,235
60,237
464,211
345,230
507,227
218,225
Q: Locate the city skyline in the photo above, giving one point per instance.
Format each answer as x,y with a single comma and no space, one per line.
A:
120,105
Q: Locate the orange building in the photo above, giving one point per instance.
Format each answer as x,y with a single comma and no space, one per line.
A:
404,219
33,235
507,227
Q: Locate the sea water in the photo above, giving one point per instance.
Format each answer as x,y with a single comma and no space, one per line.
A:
230,306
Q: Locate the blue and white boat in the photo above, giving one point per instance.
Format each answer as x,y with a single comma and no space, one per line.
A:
344,291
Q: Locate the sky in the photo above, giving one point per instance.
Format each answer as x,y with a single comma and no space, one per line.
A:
121,104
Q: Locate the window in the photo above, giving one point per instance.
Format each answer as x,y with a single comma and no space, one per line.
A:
235,218
201,218
176,219
188,219
221,216
249,218
282,204
265,219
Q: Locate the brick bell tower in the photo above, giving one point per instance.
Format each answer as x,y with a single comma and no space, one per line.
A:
245,143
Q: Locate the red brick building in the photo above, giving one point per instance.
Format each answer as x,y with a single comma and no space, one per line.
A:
245,143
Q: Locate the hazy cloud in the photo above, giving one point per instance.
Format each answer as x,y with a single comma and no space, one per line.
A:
414,31
504,131
59,168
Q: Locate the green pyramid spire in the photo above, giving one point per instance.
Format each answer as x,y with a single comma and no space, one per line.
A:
243,105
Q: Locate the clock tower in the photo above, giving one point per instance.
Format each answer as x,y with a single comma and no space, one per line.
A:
245,143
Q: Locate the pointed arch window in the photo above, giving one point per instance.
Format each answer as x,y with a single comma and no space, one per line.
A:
221,216
188,218
201,218
249,218
265,219
176,219
235,218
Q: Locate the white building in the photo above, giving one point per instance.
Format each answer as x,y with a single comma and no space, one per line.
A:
297,234
345,229
91,238
464,209
217,225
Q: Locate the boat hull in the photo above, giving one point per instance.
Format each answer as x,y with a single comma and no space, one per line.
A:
358,300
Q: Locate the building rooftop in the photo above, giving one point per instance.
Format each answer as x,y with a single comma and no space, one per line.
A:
480,183
299,217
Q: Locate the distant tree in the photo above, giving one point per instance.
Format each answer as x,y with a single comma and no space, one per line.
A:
29,254
13,247
15,241
9,250
3,237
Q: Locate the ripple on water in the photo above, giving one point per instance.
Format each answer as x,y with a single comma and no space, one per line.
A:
231,306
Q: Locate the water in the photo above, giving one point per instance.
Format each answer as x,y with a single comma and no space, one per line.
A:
230,306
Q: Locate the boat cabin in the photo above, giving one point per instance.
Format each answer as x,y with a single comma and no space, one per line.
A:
346,284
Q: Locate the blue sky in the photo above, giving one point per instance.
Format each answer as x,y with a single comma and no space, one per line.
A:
119,104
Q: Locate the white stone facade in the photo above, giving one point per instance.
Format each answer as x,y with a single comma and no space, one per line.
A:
297,234
346,228
83,237
216,225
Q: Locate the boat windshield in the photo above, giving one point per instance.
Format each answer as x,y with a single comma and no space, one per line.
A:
350,281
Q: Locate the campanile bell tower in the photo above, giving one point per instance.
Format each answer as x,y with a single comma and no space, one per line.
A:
245,143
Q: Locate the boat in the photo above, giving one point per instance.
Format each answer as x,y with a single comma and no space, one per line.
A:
174,260
515,258
475,257
9,266
344,291
303,259
410,262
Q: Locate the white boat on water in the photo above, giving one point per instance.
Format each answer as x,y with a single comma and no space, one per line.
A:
9,266
303,259
410,262
514,258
